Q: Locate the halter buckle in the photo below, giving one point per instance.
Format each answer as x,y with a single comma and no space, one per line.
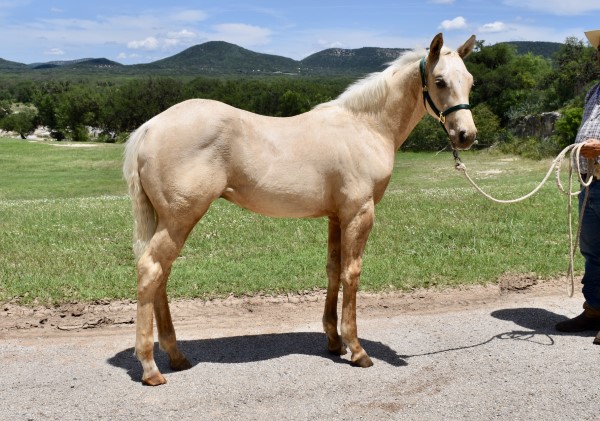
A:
442,118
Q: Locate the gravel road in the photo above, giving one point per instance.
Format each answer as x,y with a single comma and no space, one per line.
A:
468,354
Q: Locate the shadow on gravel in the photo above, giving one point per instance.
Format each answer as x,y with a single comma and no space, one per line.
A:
539,320
251,348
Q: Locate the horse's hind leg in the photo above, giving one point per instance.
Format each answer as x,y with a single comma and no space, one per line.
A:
330,319
153,270
166,332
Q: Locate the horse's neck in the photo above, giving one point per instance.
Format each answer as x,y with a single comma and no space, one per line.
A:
404,107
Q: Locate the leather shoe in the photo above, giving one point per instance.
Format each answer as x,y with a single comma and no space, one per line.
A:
588,320
578,324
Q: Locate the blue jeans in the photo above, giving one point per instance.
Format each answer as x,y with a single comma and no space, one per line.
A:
589,244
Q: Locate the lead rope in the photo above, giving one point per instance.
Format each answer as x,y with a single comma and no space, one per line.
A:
556,164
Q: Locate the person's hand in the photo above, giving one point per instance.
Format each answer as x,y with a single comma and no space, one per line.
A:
591,149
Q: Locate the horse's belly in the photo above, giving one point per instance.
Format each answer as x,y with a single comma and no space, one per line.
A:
278,204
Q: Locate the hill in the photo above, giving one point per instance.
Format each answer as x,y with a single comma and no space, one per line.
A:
363,60
11,66
84,63
221,57
537,48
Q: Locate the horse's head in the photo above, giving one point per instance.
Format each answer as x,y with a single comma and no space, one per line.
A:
446,88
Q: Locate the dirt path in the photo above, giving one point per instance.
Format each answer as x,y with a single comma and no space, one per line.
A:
469,353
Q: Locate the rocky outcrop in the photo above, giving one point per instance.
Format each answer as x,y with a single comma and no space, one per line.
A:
540,126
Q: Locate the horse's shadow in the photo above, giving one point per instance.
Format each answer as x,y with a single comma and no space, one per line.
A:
252,348
539,325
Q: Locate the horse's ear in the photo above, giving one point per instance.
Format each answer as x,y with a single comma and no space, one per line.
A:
465,49
435,48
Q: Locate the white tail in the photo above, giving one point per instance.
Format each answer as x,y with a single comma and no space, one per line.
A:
144,217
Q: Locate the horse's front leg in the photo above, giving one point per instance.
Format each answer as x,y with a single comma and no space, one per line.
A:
354,239
330,319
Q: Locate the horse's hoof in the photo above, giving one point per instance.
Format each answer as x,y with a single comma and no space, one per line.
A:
155,379
180,364
363,361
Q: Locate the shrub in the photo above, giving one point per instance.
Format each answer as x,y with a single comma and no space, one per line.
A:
567,125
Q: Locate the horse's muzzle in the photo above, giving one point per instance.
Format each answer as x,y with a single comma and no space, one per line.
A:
464,139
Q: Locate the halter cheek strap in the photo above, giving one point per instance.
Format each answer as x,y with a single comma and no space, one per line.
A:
441,115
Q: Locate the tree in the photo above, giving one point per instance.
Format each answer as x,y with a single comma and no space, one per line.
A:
293,103
489,130
22,121
129,106
508,83
575,68
77,109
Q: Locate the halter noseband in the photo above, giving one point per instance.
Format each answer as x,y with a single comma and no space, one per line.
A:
427,100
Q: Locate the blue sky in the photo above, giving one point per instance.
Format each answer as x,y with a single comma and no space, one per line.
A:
142,31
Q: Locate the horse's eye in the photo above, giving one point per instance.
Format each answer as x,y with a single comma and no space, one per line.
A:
440,83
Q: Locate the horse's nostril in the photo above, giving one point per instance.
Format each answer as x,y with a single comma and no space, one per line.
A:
465,136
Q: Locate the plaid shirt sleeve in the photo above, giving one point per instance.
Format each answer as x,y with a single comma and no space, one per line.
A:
590,123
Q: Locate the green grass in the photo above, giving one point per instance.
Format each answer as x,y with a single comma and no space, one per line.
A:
65,230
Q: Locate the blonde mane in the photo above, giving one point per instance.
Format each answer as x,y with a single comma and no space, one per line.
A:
369,94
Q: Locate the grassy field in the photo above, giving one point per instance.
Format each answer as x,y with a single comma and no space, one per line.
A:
65,230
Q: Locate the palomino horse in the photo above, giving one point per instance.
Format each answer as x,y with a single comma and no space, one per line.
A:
334,161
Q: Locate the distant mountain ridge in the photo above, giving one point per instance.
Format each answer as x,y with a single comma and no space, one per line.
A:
366,59
82,62
223,58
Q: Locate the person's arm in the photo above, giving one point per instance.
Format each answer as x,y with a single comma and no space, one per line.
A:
591,149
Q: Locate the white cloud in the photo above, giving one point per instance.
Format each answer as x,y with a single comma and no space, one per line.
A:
54,52
330,44
126,56
191,16
457,23
184,33
557,7
147,44
493,27
441,1
241,33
